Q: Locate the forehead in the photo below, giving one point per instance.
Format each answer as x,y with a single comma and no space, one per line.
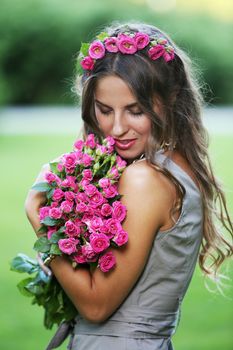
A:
114,91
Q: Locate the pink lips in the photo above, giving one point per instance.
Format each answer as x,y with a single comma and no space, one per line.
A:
124,144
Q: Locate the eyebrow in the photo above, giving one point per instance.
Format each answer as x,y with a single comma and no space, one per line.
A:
131,105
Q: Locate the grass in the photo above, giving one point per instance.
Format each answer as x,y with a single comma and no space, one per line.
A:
206,322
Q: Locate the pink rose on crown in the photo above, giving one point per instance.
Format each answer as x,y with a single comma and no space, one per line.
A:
87,63
156,51
111,44
142,40
96,50
126,44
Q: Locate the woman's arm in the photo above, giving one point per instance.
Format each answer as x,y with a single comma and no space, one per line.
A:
148,197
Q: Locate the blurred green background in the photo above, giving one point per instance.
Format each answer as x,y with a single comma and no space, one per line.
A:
39,40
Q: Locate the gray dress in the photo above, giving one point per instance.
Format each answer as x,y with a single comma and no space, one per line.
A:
148,317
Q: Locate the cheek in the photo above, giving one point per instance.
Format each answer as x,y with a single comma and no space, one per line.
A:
103,123
145,127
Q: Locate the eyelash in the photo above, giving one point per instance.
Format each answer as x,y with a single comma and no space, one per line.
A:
138,114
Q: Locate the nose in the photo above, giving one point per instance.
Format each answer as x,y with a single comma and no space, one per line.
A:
120,125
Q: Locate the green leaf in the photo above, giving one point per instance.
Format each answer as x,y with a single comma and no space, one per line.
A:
56,236
41,186
49,193
34,288
55,250
49,221
22,263
84,48
53,167
42,229
102,36
22,287
42,245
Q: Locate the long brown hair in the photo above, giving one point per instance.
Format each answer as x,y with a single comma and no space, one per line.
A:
177,90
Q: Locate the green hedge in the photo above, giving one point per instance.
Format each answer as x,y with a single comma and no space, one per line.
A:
39,40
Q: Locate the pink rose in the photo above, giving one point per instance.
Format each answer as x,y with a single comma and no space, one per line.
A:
60,167
79,143
68,245
142,40
110,141
100,150
156,51
90,190
69,196
70,182
44,212
96,200
66,206
87,63
57,194
99,242
71,229
70,161
95,223
50,232
168,56
121,164
126,44
121,238
51,177
81,207
111,44
113,226
104,182
87,174
96,50
114,172
110,191
88,252
84,182
54,204
82,197
55,213
107,262
79,257
119,211
90,141
106,209
86,160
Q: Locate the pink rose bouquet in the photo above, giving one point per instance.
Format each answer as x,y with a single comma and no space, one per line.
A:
81,220
83,215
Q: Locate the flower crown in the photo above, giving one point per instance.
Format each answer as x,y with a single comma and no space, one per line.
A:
126,43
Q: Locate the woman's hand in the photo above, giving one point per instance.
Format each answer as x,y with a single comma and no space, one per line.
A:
34,201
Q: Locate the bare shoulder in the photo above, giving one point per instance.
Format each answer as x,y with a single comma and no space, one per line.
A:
143,178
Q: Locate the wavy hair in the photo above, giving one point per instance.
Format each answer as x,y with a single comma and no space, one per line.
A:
178,91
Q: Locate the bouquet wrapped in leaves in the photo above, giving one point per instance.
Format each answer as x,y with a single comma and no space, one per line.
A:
82,218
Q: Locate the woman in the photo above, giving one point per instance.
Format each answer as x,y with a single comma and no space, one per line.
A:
138,88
